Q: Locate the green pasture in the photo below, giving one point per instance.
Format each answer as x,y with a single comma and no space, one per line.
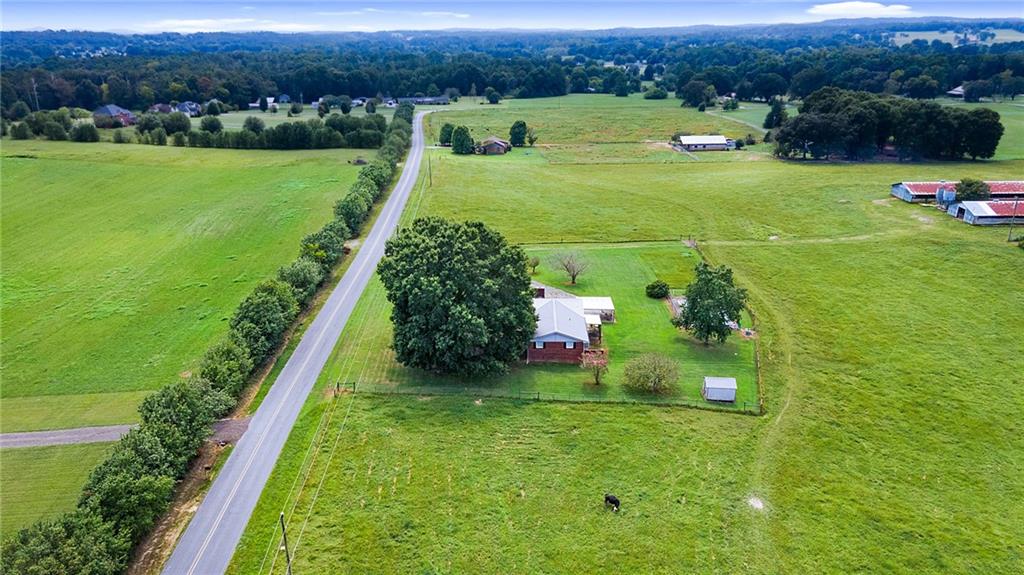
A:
596,118
889,360
123,263
235,120
1001,35
42,482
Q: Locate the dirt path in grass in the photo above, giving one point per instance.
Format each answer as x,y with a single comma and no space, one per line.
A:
224,430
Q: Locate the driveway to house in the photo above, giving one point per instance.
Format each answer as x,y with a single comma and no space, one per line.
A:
209,541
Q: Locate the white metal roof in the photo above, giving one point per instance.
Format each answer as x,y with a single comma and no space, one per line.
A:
561,316
978,208
592,319
698,140
720,382
597,302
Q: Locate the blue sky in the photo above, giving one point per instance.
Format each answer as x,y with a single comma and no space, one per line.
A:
284,16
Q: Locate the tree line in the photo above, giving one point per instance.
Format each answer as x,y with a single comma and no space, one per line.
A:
748,68
128,492
860,125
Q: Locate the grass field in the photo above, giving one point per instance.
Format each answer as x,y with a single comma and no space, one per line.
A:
234,120
892,438
122,263
42,482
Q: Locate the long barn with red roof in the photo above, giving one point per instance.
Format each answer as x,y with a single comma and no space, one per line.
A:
988,213
945,192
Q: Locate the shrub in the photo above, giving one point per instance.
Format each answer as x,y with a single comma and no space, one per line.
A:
445,137
462,141
85,133
296,108
122,137
517,134
701,107
176,122
304,276
158,137
179,139
352,209
253,124
655,93
263,317
21,131
54,131
651,372
211,124
227,366
325,246
148,122
657,289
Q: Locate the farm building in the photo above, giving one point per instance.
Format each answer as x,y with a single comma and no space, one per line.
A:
706,143
562,331
494,146
284,99
719,389
271,104
987,213
944,192
957,92
112,112
601,306
427,100
160,109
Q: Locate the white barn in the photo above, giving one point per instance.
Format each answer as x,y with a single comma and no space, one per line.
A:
719,389
706,143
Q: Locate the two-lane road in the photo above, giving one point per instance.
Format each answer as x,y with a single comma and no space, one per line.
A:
209,541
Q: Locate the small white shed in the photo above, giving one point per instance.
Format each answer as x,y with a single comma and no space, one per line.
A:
719,389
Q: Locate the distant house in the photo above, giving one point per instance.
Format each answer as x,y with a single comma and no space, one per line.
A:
957,92
284,99
706,143
189,108
987,213
271,104
562,332
356,102
944,192
107,114
719,389
160,109
494,146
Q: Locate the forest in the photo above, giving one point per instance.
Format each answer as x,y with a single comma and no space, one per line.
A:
49,70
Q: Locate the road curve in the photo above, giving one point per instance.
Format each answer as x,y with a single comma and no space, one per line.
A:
209,541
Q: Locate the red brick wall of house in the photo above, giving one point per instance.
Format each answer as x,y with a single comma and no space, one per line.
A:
554,352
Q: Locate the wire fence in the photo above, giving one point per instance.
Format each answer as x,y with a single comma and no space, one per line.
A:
742,407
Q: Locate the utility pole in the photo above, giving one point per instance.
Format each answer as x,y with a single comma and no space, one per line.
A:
284,535
1009,237
430,171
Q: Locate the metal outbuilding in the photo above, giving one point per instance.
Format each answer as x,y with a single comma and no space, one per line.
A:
719,389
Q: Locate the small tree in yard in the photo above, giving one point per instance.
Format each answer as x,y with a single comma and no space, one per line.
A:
572,264
263,104
651,372
657,289
445,137
211,124
461,297
531,136
969,189
596,362
462,141
533,263
712,301
517,134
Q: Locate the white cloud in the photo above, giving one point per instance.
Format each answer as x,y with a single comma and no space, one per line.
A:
189,25
442,14
426,14
859,10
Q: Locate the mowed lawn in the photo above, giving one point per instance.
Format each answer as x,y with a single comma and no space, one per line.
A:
122,263
891,368
620,271
42,482
235,120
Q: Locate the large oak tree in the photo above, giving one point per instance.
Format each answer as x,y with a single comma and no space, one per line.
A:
461,296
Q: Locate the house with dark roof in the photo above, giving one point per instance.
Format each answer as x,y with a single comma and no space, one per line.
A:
110,112
189,108
284,99
160,109
493,146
